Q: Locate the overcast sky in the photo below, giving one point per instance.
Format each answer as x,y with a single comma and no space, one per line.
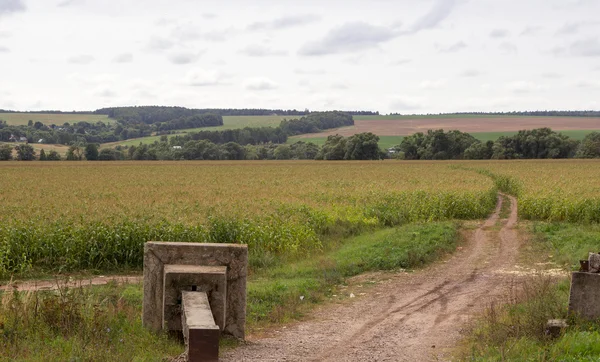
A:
408,56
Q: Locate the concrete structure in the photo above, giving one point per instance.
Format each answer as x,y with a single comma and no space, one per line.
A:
584,298
200,332
172,268
212,280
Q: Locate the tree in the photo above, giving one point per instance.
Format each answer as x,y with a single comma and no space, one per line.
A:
74,153
53,156
283,152
590,146
333,149
5,152
91,152
25,152
43,155
363,146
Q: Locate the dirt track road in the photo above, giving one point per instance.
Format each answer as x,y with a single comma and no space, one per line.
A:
411,317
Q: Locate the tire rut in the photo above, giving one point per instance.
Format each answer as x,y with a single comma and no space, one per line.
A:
413,316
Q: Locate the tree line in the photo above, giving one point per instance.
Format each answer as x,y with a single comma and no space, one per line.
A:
538,143
542,143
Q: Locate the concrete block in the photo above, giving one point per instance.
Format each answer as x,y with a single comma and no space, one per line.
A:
200,333
209,279
232,256
584,298
554,327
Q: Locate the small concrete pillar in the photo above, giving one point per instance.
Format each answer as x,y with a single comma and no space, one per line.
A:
200,333
585,295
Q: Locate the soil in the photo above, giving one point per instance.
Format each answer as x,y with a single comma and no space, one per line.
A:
414,316
34,285
405,127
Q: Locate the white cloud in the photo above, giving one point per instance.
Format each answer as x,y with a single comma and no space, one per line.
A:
285,22
350,37
258,50
260,84
589,47
439,12
11,6
81,59
104,92
456,47
523,87
508,48
4,49
123,58
159,43
184,57
400,61
499,33
471,73
203,78
403,104
569,29
432,84
531,30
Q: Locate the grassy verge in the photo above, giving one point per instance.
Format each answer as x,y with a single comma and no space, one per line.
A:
516,331
104,323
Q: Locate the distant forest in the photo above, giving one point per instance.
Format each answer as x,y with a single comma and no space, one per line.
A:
155,114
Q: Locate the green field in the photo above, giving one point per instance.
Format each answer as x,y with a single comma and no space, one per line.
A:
391,141
18,119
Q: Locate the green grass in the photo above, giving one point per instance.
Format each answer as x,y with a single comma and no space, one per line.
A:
274,294
103,323
515,331
17,119
492,136
568,243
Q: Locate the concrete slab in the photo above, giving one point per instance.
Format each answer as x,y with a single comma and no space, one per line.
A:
584,298
200,333
232,256
209,279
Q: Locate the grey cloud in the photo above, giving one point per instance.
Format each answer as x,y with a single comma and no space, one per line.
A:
184,57
471,73
258,50
569,29
508,48
158,43
499,33
123,58
458,46
401,61
586,48
105,93
284,22
4,49
209,15
310,72
203,78
551,75
404,104
531,30
220,35
339,86
11,6
440,11
81,59
260,84
67,3
349,37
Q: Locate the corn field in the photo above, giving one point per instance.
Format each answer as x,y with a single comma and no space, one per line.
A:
73,216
